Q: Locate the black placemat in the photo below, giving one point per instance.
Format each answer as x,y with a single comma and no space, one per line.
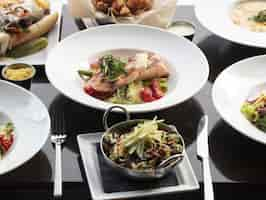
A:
114,182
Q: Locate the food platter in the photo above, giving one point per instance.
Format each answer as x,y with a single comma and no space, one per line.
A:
233,87
187,62
215,16
53,37
31,121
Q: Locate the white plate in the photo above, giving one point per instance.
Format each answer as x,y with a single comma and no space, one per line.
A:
233,86
185,176
53,38
188,65
214,15
31,121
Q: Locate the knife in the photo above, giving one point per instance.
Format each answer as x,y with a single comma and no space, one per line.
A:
203,153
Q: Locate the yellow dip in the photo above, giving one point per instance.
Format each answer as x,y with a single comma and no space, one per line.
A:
18,74
244,12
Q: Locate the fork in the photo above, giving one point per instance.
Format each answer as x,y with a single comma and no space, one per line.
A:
58,137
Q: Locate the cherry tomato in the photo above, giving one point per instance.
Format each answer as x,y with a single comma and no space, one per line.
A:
146,95
89,90
94,93
6,142
156,89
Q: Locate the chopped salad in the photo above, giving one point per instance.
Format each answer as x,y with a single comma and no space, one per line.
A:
255,111
144,147
127,80
6,138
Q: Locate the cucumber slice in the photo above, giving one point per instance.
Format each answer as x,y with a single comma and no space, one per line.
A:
28,48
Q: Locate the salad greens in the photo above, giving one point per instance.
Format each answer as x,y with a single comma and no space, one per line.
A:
85,74
128,94
255,111
112,67
143,147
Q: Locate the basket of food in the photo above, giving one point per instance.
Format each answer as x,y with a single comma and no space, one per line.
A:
157,13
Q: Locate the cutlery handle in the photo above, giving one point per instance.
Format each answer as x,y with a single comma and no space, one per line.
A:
208,187
58,171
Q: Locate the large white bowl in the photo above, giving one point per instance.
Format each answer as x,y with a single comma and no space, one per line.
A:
233,86
188,66
31,120
215,16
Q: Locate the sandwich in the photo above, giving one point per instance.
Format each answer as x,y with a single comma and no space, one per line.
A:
22,21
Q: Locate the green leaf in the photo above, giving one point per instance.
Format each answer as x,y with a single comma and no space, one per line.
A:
112,67
250,112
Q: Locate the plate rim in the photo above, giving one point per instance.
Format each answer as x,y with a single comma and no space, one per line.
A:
47,135
223,116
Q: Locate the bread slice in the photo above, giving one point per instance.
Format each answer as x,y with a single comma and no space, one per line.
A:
34,31
4,42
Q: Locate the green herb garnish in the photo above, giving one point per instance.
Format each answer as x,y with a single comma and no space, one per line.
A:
8,128
112,67
85,75
255,111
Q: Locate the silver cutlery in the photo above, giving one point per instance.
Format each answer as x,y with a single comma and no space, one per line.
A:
58,137
203,153
172,159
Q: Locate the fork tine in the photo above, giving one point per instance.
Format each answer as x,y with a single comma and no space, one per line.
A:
63,123
58,125
53,120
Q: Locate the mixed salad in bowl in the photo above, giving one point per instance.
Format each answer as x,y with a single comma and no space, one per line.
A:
255,111
127,80
143,147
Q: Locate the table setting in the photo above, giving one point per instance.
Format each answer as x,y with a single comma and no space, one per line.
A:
132,99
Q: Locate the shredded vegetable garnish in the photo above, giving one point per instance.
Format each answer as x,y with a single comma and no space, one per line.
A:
143,147
255,111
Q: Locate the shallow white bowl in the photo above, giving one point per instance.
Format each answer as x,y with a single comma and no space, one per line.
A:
215,16
31,121
188,66
233,86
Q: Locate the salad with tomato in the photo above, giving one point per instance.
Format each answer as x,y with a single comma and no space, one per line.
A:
6,138
127,80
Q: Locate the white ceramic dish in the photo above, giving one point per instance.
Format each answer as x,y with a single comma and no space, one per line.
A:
31,121
53,38
188,65
233,86
215,16
185,176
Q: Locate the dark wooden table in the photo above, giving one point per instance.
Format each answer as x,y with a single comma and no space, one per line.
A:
237,163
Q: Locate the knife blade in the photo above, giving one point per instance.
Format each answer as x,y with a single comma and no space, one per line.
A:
203,153
202,140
